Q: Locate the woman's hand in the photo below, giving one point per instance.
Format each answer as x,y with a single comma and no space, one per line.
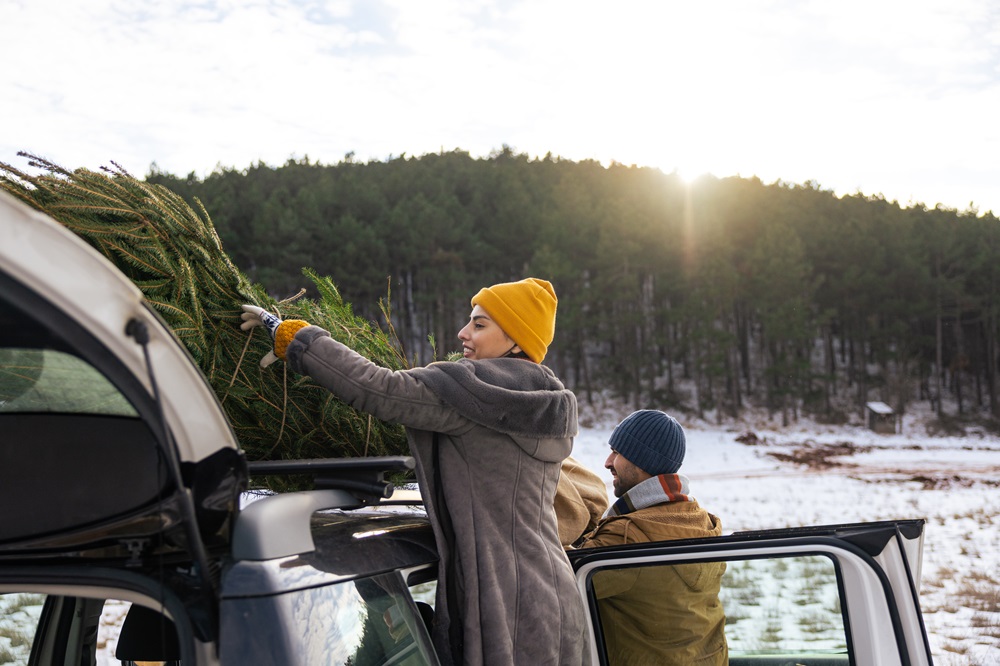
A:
253,317
282,332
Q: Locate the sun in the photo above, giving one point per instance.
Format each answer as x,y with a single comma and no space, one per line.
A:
690,173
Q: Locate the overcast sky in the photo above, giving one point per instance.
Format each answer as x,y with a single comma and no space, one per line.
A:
899,98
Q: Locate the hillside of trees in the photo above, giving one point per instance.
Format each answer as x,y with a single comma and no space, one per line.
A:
705,298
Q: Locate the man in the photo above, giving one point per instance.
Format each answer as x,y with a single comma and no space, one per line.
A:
660,614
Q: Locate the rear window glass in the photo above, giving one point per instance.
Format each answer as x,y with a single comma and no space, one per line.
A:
34,380
365,622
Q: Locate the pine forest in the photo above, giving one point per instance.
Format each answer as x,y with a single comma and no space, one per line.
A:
707,297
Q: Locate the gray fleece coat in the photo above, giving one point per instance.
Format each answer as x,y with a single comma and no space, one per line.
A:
500,428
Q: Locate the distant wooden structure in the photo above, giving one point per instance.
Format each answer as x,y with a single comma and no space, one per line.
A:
881,418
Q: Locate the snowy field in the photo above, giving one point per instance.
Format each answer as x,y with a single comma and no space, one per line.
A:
850,474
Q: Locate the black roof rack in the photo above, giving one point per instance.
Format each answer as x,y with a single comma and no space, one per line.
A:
278,525
361,476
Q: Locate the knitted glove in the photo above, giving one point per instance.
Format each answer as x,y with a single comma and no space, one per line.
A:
282,332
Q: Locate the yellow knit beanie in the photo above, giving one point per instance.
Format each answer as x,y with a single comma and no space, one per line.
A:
525,310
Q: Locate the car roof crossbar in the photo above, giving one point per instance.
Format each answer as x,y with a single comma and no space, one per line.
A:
364,477
279,525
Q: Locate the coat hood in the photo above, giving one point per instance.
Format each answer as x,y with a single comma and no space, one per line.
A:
510,395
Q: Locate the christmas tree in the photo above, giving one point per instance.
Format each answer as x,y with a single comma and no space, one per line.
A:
172,252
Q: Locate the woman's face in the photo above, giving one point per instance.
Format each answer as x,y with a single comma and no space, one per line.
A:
483,338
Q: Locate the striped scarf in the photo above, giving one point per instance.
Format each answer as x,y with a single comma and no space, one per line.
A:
656,490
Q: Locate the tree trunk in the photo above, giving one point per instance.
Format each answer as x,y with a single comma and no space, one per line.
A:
830,388
743,342
959,362
992,334
939,357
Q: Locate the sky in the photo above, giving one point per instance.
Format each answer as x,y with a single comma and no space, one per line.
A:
898,98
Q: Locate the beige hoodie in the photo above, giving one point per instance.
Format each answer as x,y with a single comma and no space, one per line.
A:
581,500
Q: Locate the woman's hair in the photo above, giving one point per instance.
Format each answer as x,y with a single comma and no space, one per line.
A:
525,310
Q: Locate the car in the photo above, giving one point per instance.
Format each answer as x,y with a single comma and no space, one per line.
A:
127,532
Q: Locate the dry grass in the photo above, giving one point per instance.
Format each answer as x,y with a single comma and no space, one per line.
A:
981,593
988,624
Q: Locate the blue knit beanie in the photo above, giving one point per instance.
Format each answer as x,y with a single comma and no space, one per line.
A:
650,440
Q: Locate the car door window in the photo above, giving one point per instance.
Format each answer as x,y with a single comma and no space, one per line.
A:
42,629
780,605
20,614
760,611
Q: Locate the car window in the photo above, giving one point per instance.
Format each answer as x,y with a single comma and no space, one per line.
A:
370,621
36,381
77,630
40,373
786,608
786,604
424,592
20,614
76,450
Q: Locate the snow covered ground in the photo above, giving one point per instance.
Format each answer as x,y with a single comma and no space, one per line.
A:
850,474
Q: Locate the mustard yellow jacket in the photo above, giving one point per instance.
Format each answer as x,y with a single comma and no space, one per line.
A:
661,614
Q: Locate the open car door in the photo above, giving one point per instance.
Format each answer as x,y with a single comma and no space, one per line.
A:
844,594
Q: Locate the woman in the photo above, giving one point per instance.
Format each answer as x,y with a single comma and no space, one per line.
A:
488,432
